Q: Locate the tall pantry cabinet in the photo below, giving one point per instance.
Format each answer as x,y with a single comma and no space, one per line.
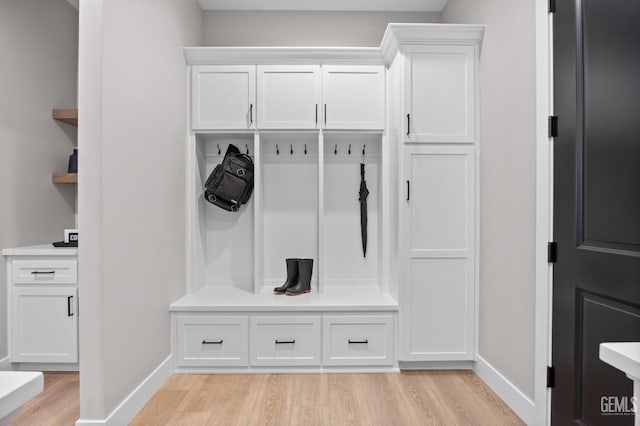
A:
436,74
309,117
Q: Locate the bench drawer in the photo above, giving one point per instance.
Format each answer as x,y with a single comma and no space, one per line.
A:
285,340
208,341
358,340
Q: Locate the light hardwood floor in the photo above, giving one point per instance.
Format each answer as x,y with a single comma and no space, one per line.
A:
409,398
57,405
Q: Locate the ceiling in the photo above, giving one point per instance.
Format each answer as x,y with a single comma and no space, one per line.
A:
327,5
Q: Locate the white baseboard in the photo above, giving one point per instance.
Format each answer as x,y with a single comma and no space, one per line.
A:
5,365
511,395
286,370
36,366
436,365
133,403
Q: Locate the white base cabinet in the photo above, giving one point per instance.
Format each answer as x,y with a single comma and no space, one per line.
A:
42,306
207,341
44,324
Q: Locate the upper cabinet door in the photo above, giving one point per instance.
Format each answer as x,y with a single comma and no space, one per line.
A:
353,97
223,97
440,94
288,96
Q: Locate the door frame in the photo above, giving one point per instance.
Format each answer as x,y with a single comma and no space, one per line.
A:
544,212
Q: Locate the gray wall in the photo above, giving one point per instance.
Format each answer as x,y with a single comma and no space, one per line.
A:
260,28
132,194
507,183
38,70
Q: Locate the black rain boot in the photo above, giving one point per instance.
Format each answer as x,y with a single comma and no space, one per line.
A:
292,276
305,270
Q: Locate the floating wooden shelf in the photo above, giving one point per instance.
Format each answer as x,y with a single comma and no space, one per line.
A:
64,178
69,116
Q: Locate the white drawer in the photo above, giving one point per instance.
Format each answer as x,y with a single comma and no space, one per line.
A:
285,340
358,340
207,341
44,271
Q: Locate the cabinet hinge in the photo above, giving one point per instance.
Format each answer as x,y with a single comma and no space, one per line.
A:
551,376
552,6
553,126
552,252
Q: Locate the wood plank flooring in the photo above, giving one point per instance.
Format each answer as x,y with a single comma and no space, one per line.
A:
408,398
57,405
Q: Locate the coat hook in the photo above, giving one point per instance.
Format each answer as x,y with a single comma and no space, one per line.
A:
277,150
349,149
247,147
219,152
335,150
291,147
305,149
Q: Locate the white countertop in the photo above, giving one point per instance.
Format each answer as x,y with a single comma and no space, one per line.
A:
41,250
17,388
625,356
228,298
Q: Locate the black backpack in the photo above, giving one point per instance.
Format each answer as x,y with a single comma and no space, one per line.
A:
231,183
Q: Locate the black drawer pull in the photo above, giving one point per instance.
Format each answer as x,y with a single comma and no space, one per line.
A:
363,342
69,313
212,342
43,272
283,342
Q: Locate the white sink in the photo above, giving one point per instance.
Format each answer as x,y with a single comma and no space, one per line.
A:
16,389
625,356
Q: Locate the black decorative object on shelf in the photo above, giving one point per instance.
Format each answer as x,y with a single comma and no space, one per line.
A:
73,162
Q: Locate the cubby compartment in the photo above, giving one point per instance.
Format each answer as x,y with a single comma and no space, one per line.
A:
288,213
223,253
343,259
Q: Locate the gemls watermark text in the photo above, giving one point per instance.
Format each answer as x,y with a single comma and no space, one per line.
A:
618,405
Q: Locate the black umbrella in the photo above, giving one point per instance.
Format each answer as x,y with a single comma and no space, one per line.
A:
364,193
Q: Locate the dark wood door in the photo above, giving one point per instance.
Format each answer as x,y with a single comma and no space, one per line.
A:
596,295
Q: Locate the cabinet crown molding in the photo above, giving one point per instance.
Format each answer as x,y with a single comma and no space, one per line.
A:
394,36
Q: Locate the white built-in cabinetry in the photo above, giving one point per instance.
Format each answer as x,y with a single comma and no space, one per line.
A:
439,93
309,118
438,187
42,290
223,97
438,292
288,96
354,97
